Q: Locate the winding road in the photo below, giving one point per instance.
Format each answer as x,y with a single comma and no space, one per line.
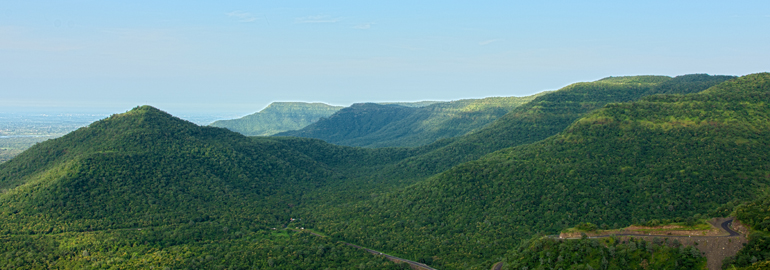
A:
726,227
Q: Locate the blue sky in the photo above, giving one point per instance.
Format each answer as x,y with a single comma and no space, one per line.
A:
238,56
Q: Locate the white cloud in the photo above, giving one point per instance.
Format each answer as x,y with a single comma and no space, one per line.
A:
363,26
242,16
317,19
487,42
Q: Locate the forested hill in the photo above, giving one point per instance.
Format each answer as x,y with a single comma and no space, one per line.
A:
147,168
663,156
548,115
278,117
393,125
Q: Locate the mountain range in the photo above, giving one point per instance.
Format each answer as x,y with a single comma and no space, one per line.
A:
145,189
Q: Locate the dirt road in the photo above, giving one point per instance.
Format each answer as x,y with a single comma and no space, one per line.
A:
715,248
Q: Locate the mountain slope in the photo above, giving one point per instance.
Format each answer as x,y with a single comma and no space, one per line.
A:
548,115
377,125
278,117
663,156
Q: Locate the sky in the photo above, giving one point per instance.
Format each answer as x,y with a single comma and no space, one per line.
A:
235,57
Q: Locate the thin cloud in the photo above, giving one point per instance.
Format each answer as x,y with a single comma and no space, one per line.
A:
141,34
487,42
406,47
317,19
363,26
19,39
242,16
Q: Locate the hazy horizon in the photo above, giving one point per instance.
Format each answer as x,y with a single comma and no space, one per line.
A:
237,57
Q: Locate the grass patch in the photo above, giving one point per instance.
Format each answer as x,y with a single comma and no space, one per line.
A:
279,233
680,227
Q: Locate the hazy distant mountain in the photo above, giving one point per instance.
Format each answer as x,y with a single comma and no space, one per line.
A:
391,125
416,104
278,117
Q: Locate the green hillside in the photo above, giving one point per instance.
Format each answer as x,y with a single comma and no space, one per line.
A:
387,125
166,169
663,156
278,117
548,115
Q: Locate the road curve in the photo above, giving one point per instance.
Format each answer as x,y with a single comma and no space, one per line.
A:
726,227
498,266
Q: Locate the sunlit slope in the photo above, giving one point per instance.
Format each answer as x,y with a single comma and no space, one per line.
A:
548,115
660,157
378,125
278,117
